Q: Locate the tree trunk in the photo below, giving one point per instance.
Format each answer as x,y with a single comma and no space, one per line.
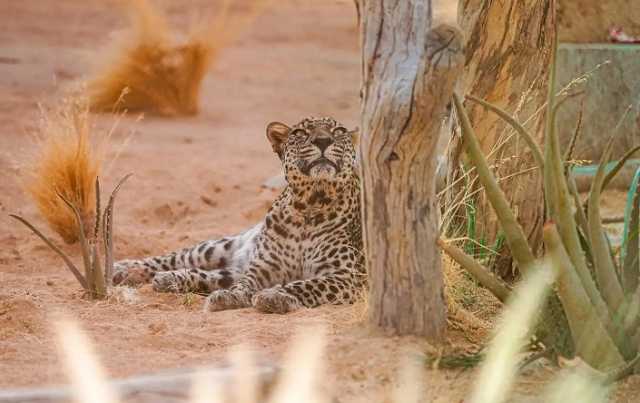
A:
409,71
507,54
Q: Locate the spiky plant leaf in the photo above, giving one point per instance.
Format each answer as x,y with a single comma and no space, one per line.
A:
632,314
84,244
561,208
618,166
527,137
470,245
107,226
581,217
515,237
554,330
99,287
96,226
604,266
559,202
72,267
592,340
631,238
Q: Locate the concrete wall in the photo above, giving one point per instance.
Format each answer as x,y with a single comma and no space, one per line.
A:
609,91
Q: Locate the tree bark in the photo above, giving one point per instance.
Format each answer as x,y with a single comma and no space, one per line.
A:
507,55
165,387
409,71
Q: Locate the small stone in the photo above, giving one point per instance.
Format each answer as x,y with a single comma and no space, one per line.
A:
157,328
208,201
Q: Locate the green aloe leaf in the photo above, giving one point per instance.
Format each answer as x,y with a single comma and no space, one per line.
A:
527,137
632,313
618,166
560,204
604,266
580,216
631,238
515,237
592,340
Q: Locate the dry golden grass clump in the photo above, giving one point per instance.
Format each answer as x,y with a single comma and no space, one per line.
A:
67,161
149,70
472,309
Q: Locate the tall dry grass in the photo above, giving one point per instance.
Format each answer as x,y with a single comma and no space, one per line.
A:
149,70
67,160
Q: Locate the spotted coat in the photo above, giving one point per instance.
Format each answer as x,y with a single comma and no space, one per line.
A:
306,252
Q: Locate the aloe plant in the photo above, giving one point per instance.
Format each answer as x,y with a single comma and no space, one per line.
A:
598,296
96,278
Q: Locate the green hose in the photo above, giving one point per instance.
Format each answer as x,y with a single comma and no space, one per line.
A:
627,212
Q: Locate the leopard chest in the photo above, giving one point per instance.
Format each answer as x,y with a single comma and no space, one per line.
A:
316,240
306,247
321,243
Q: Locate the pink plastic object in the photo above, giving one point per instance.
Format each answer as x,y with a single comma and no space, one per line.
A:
616,34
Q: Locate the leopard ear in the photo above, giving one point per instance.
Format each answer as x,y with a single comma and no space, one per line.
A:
277,134
355,136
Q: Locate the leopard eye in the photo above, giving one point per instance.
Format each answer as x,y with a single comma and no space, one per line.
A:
300,133
339,130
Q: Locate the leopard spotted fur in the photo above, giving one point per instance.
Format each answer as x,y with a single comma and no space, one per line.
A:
306,252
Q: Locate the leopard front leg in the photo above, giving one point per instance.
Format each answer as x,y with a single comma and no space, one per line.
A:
260,274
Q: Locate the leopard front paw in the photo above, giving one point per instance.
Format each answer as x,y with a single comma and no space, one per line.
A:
166,282
275,300
119,276
120,270
221,300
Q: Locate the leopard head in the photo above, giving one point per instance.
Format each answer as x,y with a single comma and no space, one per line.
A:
315,151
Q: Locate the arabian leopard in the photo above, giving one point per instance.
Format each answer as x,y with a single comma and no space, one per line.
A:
306,252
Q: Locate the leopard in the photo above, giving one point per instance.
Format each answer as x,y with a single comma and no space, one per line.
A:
306,252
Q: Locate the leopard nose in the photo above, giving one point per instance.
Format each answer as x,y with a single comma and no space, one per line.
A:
322,142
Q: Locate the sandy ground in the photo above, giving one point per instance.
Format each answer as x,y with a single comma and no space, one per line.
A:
195,178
